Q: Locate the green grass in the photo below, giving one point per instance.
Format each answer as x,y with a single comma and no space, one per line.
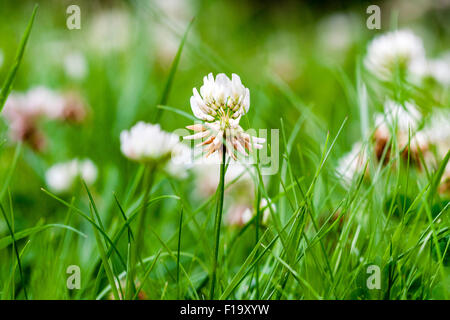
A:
163,238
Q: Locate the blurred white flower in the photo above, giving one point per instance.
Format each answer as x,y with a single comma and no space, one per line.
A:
88,171
400,49
282,56
46,102
147,142
181,160
61,177
400,122
24,110
440,69
207,171
437,69
404,117
352,164
445,180
166,32
264,205
437,132
221,103
110,31
43,102
175,9
38,101
75,65
239,215
1,58
337,32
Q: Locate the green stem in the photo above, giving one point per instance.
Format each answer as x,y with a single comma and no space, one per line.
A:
149,175
257,224
218,221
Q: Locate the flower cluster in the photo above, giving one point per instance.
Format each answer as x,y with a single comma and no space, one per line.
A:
403,52
220,104
402,130
414,136
61,177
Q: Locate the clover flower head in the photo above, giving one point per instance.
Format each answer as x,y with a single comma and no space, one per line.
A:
110,31
180,162
75,65
400,49
437,131
352,163
406,116
220,104
147,143
207,175
439,69
46,102
23,111
444,186
402,120
61,177
241,214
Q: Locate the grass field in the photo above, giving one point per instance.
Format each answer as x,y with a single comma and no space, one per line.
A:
348,197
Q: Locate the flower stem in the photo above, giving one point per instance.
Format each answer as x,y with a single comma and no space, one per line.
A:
218,221
149,174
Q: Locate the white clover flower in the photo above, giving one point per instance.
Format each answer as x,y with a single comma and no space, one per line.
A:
404,117
110,31
75,65
16,105
207,171
437,69
61,177
45,101
445,180
177,14
37,102
88,171
221,104
397,49
265,203
180,161
147,142
437,132
440,69
337,32
352,163
239,215
23,111
400,122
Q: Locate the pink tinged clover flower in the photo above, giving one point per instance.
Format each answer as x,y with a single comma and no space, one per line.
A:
220,104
